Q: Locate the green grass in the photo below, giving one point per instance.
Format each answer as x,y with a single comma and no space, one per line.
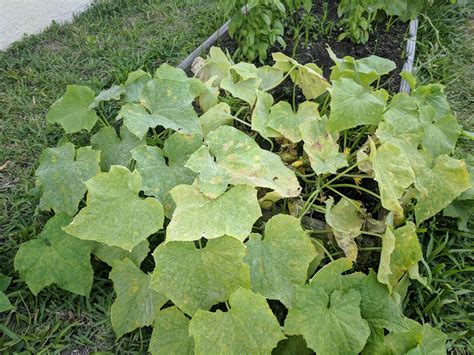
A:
445,54
97,49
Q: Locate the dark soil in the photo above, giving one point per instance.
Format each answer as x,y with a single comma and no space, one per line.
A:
387,44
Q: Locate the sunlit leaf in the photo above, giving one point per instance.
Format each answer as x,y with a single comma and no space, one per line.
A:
216,116
242,81
261,115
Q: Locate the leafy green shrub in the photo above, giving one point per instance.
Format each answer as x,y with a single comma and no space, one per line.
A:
241,205
260,25
356,16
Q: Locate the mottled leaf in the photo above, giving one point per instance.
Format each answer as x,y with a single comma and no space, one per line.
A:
346,223
232,157
196,216
56,257
62,174
159,176
432,95
170,333
112,93
110,254
249,327
136,303
199,278
287,123
280,261
321,147
72,111
134,85
216,116
114,211
115,150
217,64
270,77
353,105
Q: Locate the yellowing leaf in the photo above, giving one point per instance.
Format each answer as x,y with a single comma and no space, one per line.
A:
56,257
400,252
136,303
346,223
62,174
440,186
72,111
134,85
114,211
321,147
287,123
217,64
196,216
199,278
232,157
242,81
280,261
249,327
170,333
109,254
393,174
216,116
261,115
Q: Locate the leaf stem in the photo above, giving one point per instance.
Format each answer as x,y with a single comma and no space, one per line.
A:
282,80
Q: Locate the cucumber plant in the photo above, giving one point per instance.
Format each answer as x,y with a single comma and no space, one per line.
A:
258,215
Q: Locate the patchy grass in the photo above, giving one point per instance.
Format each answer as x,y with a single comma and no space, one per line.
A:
445,54
97,49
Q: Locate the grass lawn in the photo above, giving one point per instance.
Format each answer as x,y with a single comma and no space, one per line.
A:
99,49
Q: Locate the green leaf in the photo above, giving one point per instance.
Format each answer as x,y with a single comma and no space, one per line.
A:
393,174
419,339
439,186
232,157
115,150
321,147
62,174
261,115
441,133
352,105
339,328
377,305
199,278
134,85
249,327
165,101
56,257
217,64
110,254
196,216
346,223
5,304
72,111
210,96
280,261
401,252
432,95
216,116
242,81
291,346
159,177
287,123
170,333
114,211
136,303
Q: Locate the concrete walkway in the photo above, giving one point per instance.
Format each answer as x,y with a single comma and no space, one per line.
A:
19,17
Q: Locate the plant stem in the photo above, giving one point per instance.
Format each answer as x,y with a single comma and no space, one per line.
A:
242,121
373,194
324,249
352,202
